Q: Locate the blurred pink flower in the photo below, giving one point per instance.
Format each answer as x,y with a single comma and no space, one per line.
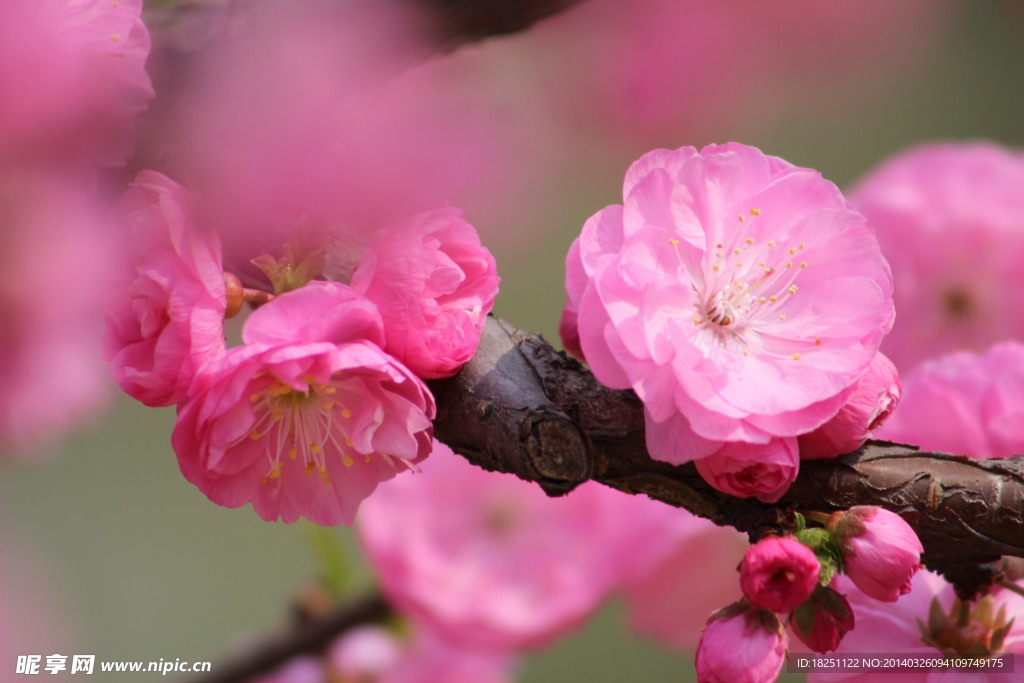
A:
434,285
54,258
735,293
948,218
778,573
165,314
875,396
487,560
675,578
964,403
881,553
904,626
741,644
745,470
72,73
309,416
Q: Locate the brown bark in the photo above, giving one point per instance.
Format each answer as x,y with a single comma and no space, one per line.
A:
521,407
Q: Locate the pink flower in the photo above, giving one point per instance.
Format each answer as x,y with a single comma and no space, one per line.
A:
434,285
964,403
309,416
881,553
56,253
741,644
822,621
165,316
429,659
778,573
71,74
752,470
909,626
874,398
676,577
947,218
733,292
487,560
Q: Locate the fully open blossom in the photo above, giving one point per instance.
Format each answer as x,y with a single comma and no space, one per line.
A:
881,553
487,560
165,313
744,470
905,627
733,292
434,284
309,415
778,573
948,217
741,644
875,396
964,403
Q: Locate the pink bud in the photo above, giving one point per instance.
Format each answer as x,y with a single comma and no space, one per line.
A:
749,469
874,397
741,644
822,621
778,573
881,552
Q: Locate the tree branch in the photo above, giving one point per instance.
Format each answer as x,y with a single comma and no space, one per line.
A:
521,407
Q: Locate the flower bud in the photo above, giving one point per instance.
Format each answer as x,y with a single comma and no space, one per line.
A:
874,397
822,621
881,553
778,573
741,644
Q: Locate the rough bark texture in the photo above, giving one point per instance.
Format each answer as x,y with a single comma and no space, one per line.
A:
521,407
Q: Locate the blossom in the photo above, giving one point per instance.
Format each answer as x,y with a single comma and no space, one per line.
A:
741,644
735,293
675,575
947,217
434,284
752,470
309,415
964,403
55,255
71,75
880,551
875,396
822,621
165,315
488,561
778,573
913,626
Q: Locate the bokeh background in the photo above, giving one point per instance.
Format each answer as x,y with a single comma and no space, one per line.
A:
106,549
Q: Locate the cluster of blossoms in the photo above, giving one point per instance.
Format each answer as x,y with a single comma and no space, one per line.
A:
792,575
744,302
325,398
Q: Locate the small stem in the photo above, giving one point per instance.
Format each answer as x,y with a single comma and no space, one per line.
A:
333,562
963,617
1011,586
256,295
819,517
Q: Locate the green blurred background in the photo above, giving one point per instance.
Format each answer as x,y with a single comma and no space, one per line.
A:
135,563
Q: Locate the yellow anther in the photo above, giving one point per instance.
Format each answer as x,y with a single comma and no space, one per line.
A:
696,320
771,245
716,267
789,265
792,250
745,352
792,289
802,245
114,38
254,435
310,466
674,242
331,391
368,457
761,299
773,298
755,212
292,452
348,442
254,397
347,459
750,240
737,251
315,447
796,356
781,316
328,405
742,218
739,264
803,264
346,413
817,342
761,263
